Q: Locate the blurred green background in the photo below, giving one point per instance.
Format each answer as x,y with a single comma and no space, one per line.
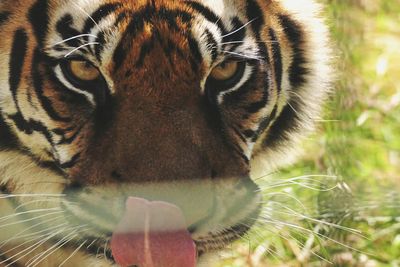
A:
340,205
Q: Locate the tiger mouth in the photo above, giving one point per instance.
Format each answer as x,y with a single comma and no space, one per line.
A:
205,241
101,246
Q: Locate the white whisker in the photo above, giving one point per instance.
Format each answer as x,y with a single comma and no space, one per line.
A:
42,256
91,244
294,226
307,218
35,201
6,196
90,17
242,42
235,31
80,47
73,253
74,37
242,55
20,234
12,216
31,248
32,219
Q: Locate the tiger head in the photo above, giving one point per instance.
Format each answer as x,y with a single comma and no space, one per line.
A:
174,101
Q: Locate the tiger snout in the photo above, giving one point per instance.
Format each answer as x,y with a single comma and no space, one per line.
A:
215,213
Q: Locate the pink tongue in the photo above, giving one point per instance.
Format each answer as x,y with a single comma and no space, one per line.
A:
152,234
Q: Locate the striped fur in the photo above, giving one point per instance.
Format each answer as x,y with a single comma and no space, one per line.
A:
155,116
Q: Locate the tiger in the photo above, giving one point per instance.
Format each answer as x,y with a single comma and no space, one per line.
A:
130,114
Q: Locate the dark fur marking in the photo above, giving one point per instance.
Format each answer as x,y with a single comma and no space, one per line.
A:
207,14
236,35
38,17
17,60
72,162
65,29
234,97
294,33
212,44
145,49
265,123
277,58
287,121
254,12
69,140
240,134
38,86
28,127
101,13
7,139
136,25
257,106
4,16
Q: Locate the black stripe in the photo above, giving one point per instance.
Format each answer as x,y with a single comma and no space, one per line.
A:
38,17
7,138
207,14
277,58
60,131
235,97
95,19
171,47
68,140
38,86
288,121
28,127
265,123
294,33
65,29
4,16
136,25
195,50
212,44
239,151
249,133
237,36
257,106
102,12
239,134
72,162
17,60
119,56
145,49
171,16
254,12
99,48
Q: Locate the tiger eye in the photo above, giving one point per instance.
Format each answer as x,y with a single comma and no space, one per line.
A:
225,70
83,70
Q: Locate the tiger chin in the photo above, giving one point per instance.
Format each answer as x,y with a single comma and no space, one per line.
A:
128,127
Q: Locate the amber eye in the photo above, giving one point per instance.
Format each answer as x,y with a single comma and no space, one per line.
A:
82,77
225,70
83,71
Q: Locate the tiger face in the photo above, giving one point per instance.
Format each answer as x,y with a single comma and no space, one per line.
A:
178,102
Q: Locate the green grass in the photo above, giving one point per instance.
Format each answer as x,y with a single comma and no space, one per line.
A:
359,144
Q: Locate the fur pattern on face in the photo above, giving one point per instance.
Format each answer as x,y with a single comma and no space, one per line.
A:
156,118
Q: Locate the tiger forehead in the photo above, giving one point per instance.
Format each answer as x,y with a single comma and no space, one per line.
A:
159,34
106,24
